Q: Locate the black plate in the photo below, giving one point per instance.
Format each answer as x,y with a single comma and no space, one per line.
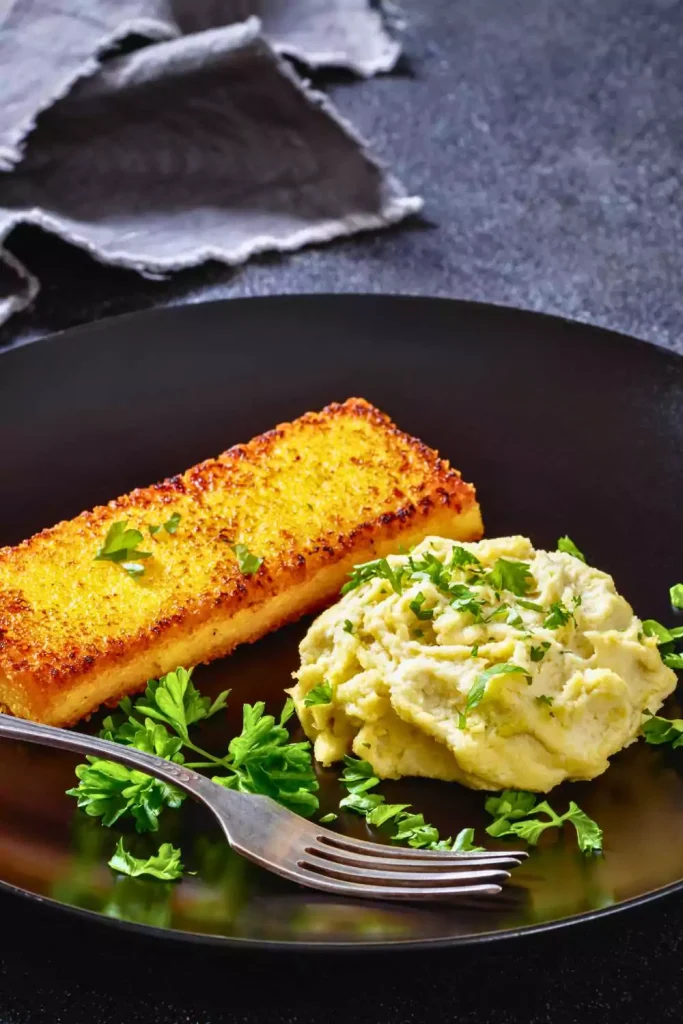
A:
563,427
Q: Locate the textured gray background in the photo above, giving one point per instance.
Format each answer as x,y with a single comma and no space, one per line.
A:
546,137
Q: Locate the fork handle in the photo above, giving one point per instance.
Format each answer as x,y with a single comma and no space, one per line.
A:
63,739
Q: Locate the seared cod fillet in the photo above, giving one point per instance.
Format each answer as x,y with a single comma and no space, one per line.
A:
311,498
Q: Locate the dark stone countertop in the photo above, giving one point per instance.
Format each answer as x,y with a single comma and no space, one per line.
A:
545,137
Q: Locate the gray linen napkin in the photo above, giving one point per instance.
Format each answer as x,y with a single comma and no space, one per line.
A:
203,144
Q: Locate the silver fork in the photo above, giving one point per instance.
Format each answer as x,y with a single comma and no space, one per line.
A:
300,850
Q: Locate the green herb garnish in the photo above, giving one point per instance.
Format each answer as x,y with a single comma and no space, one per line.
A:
377,569
409,828
121,546
543,698
676,594
321,694
460,557
327,818
558,615
165,865
417,609
478,688
248,563
513,805
539,653
260,760
513,576
658,730
348,626
170,526
567,545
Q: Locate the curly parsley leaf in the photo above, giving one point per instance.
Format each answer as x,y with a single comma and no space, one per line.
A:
658,730
464,600
567,545
121,545
358,775
108,790
408,827
263,760
248,563
377,569
431,568
558,616
175,700
515,577
676,595
478,688
320,694
517,813
461,556
664,636
165,865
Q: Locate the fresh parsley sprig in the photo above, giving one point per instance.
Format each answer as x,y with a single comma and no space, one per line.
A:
516,813
260,760
409,828
165,865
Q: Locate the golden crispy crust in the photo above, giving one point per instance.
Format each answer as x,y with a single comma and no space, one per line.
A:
311,497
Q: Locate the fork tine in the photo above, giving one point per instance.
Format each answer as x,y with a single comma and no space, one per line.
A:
390,892
382,850
389,862
403,878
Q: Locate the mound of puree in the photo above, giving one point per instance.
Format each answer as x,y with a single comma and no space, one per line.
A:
491,664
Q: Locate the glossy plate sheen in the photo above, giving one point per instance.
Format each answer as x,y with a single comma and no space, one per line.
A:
563,428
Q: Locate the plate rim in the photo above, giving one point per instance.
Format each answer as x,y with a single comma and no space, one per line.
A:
217,941
213,941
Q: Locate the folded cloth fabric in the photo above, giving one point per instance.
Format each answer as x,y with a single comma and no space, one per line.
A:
203,144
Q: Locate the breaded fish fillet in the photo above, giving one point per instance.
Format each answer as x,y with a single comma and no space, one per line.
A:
311,498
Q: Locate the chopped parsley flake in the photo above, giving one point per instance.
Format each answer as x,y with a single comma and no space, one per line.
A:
676,594
348,626
170,526
377,569
558,615
121,546
320,694
543,698
539,653
248,563
416,608
567,545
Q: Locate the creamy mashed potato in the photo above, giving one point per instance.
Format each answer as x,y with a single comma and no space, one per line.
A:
492,664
